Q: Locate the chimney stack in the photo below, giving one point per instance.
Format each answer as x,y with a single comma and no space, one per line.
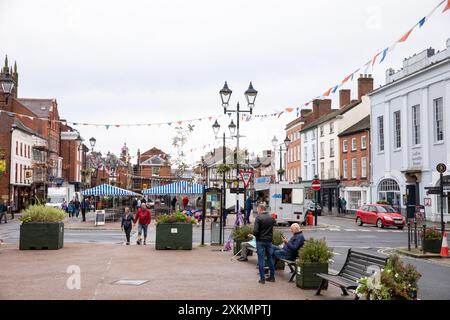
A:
344,97
365,85
320,108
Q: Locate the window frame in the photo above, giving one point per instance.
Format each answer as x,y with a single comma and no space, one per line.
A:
380,129
415,122
397,122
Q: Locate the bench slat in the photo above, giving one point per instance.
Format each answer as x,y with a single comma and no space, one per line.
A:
337,280
357,257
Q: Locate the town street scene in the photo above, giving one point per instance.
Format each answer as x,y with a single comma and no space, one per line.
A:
239,151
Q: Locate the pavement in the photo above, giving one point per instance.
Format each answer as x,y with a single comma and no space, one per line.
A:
185,275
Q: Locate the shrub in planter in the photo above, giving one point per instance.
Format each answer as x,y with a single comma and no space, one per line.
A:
432,241
241,234
397,281
174,231
41,228
313,258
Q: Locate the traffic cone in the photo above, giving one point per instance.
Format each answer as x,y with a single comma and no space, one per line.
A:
444,247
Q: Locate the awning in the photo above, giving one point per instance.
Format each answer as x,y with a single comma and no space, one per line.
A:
108,190
180,187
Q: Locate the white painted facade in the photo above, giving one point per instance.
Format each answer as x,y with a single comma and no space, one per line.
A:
419,99
21,157
309,154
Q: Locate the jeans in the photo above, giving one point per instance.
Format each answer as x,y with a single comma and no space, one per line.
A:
83,213
247,215
264,248
127,233
142,227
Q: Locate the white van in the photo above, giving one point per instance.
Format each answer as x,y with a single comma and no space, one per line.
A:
284,200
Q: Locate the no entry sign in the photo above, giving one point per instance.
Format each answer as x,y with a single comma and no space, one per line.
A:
315,185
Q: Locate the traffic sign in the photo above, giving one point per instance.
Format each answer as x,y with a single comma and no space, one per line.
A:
441,168
246,176
315,185
235,190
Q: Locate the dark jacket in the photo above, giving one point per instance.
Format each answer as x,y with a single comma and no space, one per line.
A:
3,208
263,229
294,244
127,222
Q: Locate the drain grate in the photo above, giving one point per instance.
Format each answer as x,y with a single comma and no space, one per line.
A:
130,282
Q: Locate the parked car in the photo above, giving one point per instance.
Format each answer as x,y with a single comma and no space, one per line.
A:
380,215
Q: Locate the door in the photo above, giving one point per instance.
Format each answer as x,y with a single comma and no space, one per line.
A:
372,215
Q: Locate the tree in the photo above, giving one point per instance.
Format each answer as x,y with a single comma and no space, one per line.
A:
179,141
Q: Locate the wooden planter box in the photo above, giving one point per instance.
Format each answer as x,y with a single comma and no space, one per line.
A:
41,235
432,246
306,274
173,236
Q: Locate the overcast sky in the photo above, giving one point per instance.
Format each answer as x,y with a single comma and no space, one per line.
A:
165,60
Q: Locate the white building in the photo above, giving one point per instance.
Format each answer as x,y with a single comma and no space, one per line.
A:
23,143
410,121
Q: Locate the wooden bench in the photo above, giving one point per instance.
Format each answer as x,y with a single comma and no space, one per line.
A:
290,264
357,265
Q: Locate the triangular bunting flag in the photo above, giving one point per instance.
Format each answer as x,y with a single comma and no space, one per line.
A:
384,55
335,88
107,126
406,36
347,78
375,58
422,22
327,93
447,6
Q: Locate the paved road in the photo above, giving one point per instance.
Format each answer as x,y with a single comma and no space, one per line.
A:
341,235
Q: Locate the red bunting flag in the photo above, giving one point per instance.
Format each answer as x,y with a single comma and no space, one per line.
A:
406,36
289,109
447,6
180,122
346,79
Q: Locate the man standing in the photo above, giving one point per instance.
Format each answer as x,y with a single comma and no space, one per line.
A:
263,232
3,211
144,217
248,209
339,205
291,247
84,207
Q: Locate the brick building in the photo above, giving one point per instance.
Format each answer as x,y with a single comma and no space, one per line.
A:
73,153
354,149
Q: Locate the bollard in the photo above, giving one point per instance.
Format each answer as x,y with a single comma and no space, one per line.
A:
423,235
409,236
415,234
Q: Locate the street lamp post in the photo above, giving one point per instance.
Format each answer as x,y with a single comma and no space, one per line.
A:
285,144
225,95
216,128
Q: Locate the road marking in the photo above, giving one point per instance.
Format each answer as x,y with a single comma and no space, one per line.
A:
381,231
350,230
334,229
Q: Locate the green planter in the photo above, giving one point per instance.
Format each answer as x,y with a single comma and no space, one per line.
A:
432,246
174,236
41,235
306,274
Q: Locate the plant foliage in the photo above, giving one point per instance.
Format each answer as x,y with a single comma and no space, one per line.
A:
176,217
314,251
40,213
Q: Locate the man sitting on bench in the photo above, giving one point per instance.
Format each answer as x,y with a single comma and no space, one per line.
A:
245,248
292,246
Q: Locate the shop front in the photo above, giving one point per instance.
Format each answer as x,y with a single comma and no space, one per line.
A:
329,195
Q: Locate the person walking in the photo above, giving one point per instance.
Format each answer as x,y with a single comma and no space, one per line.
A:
71,209
344,205
185,202
339,205
77,207
263,232
248,208
84,207
127,224
144,217
3,211
174,203
134,205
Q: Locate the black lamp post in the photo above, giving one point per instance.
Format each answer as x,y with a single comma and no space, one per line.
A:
216,128
92,141
285,144
225,95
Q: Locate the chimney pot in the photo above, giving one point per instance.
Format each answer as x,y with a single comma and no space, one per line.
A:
365,85
344,97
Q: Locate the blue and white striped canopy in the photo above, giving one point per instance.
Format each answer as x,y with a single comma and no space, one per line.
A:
180,187
108,190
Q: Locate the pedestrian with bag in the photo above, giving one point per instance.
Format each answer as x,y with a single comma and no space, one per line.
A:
143,217
263,232
71,209
127,224
77,207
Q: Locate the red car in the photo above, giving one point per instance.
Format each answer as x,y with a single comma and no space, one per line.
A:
380,215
